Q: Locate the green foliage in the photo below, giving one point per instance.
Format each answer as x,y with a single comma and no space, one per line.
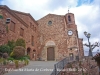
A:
16,63
11,54
10,58
4,62
26,62
19,52
11,44
27,56
5,49
1,17
20,42
1,60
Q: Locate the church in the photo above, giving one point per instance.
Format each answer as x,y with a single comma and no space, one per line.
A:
51,38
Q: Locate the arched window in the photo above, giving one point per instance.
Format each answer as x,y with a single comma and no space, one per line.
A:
69,18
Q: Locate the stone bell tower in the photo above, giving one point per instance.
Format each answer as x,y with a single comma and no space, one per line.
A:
72,36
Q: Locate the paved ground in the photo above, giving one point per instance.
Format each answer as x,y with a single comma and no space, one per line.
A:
35,68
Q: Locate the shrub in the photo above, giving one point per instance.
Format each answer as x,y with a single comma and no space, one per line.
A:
1,60
11,54
16,63
11,44
19,52
20,42
10,58
27,56
26,62
5,49
1,54
4,62
5,55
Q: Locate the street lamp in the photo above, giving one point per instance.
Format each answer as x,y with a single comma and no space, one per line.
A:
91,47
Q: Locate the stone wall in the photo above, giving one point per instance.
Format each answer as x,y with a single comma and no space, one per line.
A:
55,28
21,23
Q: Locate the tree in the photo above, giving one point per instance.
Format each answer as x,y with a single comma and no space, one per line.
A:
5,49
20,42
11,44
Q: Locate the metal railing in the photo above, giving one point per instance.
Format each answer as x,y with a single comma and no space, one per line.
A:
58,67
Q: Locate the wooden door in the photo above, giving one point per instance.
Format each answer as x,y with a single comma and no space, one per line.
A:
50,53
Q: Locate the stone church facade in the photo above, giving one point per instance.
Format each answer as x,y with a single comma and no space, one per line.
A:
52,37
59,37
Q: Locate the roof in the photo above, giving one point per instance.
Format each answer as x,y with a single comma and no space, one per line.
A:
27,14
12,12
51,15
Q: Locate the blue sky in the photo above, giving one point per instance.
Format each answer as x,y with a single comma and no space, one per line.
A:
87,13
80,2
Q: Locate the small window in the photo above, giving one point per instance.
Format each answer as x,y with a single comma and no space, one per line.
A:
34,50
32,40
69,18
12,26
31,26
35,29
21,31
50,23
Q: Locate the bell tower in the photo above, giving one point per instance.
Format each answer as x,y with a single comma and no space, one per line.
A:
69,17
72,35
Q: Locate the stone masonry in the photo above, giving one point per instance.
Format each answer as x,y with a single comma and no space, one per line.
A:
52,37
24,21
53,32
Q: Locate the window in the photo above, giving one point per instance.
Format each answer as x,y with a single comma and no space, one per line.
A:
50,22
32,41
69,18
12,26
21,31
31,26
35,29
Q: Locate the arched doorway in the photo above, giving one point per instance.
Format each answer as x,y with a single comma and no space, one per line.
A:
34,55
50,54
28,50
71,56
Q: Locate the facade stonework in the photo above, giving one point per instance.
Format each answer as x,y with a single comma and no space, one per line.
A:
52,37
3,33
59,32
21,23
